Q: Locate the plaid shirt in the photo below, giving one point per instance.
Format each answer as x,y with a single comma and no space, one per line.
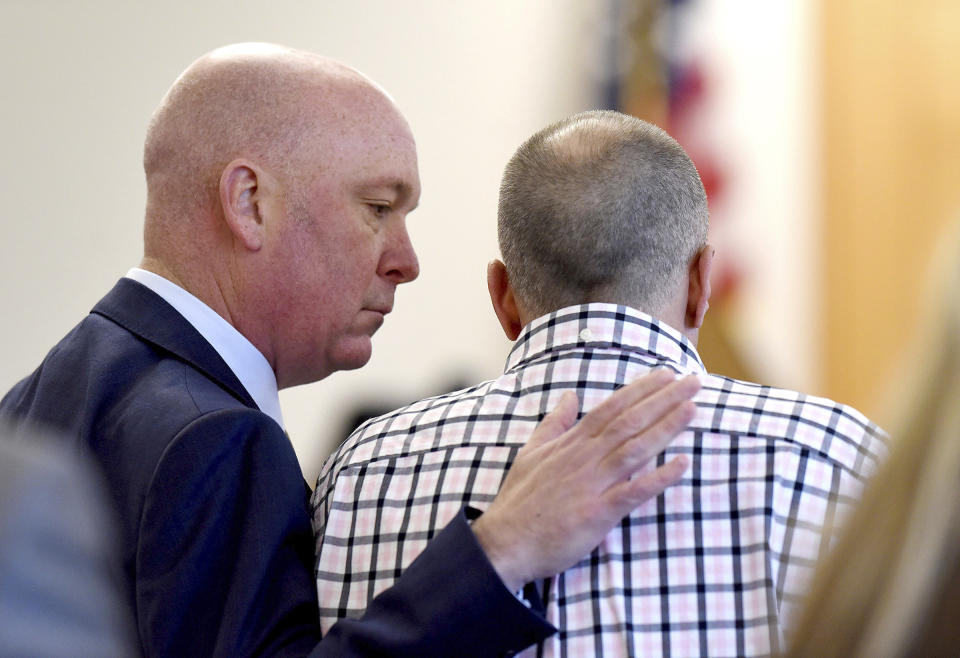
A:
712,567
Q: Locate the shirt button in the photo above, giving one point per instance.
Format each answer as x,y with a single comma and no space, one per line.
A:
586,335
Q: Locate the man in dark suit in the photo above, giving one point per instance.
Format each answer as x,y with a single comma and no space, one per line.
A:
278,183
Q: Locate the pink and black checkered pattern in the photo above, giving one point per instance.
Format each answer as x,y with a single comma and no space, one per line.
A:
713,567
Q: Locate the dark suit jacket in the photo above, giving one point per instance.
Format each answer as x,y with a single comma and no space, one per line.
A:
216,540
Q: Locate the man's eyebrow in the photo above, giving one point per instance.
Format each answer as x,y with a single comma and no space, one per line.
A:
402,189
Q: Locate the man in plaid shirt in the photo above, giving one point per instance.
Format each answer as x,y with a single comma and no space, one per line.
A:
605,276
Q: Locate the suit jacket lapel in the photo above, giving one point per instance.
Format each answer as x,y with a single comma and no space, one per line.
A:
143,312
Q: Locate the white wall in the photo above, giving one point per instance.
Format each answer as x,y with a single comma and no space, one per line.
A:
474,78
81,79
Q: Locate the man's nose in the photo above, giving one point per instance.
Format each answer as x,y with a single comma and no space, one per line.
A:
399,262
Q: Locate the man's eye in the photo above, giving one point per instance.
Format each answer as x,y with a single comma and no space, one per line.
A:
379,209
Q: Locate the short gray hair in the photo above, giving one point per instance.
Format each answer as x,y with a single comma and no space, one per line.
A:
600,207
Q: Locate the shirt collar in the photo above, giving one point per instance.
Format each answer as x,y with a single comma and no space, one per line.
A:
245,360
604,326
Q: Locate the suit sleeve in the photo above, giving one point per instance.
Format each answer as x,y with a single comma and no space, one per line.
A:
225,563
448,602
224,552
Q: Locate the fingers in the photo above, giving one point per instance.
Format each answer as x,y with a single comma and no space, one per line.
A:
624,398
638,417
555,423
636,450
629,494
572,482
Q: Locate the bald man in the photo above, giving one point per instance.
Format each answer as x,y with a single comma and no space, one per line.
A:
278,183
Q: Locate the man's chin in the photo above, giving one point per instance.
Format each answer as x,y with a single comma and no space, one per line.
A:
356,356
347,355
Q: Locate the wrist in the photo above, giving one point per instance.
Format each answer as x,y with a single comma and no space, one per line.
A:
502,555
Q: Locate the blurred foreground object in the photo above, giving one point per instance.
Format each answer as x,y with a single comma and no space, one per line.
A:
59,587
891,587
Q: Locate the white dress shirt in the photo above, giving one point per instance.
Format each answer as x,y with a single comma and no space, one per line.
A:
245,360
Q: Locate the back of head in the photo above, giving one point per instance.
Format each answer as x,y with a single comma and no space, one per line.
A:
600,207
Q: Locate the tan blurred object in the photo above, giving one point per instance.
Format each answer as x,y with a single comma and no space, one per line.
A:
642,85
644,94
891,162
891,586
717,344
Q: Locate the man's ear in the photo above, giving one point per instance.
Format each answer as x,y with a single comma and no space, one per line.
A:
241,192
504,302
698,287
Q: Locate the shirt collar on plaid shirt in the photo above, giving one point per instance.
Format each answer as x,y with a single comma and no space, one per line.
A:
604,326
